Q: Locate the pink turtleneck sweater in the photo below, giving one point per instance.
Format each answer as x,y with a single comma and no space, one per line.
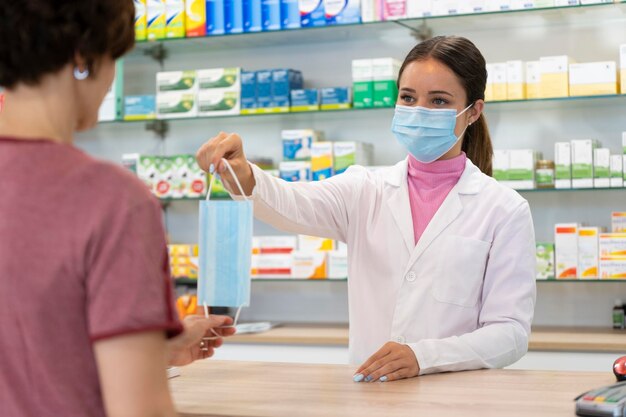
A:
429,184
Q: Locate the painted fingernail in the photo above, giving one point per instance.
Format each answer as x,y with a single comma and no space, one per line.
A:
358,378
211,168
383,379
369,378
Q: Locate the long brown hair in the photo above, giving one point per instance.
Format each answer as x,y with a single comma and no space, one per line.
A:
466,61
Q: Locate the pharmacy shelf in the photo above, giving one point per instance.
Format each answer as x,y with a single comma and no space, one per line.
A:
565,17
186,282
566,190
308,115
580,280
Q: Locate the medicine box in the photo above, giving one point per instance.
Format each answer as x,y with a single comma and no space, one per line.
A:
501,165
624,143
314,244
312,13
521,172
489,86
498,78
602,168
176,105
252,16
283,81
264,89
385,75
588,245
363,83
270,15
180,175
309,265
147,171
618,222
141,20
305,100
179,81
218,102
248,92
195,24
582,163
290,14
156,19
617,173
233,16
297,144
321,160
563,164
295,171
418,9
394,9
533,80
545,261
595,78
276,244
554,76
226,78
337,265
198,180
561,3
613,246
515,80
450,7
342,12
215,24
622,54
174,19
272,265
335,98
112,106
164,177
566,250
140,107
613,269
347,154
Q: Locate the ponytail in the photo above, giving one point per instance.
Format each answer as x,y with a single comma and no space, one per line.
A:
477,145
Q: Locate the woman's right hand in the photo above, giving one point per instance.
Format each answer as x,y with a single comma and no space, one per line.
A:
230,147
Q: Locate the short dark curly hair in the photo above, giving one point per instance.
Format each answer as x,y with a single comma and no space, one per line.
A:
39,37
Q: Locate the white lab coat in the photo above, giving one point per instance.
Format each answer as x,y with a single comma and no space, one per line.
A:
462,298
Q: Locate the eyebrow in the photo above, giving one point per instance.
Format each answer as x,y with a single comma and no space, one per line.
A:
410,90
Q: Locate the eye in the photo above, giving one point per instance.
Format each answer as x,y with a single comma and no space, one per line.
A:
438,101
407,99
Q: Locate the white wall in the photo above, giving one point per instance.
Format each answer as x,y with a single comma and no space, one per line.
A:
324,56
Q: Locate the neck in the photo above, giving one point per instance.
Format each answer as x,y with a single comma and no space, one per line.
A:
43,111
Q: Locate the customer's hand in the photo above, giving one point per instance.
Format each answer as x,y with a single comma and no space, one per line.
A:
189,346
392,362
230,147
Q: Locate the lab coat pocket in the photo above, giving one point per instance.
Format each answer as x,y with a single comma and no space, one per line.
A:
462,271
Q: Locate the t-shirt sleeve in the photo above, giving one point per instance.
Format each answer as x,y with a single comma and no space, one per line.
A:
129,289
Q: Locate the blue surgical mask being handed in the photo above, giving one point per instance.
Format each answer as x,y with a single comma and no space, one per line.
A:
428,134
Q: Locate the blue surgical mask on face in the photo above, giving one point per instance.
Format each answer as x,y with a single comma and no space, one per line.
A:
225,251
427,134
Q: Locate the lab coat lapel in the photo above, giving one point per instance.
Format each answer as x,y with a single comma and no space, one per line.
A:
399,205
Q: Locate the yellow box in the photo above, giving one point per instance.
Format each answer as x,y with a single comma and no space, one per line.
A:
141,20
593,78
533,80
515,80
309,265
489,86
175,18
156,19
588,262
313,243
196,18
554,76
498,76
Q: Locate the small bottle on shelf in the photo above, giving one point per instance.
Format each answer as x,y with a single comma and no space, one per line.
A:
545,173
618,315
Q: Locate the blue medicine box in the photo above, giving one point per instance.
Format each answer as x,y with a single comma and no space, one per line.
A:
290,14
248,90
283,81
233,16
312,13
264,89
305,100
139,107
252,16
215,17
270,10
336,98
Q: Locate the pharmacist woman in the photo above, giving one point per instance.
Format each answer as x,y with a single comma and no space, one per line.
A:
441,256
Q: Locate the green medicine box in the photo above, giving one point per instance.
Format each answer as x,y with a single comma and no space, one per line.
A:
385,93
363,94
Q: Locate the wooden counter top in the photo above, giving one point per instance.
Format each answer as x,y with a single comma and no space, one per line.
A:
541,339
252,389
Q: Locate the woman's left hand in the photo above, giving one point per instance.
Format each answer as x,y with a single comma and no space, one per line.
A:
191,345
392,362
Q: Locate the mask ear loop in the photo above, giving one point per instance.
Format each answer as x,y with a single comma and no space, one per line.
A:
208,196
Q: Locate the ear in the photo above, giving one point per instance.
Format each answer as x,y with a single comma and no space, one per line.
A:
475,111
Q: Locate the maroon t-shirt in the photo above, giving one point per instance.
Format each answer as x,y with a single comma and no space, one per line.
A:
82,258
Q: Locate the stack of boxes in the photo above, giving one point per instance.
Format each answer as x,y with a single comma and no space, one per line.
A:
183,261
585,252
298,257
207,92
269,91
375,82
173,177
307,157
515,168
